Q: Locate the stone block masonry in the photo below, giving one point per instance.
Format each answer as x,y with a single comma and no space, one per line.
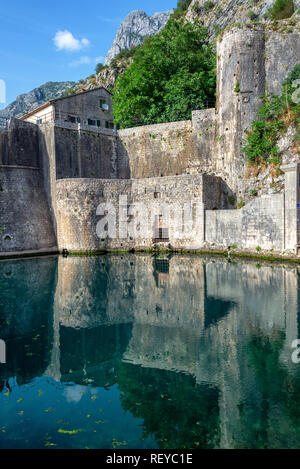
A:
160,150
19,145
25,222
77,219
260,224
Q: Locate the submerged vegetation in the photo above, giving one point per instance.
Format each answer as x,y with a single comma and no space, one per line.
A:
173,73
276,114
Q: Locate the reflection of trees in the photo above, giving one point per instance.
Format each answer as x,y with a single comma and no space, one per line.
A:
176,411
26,317
92,354
275,394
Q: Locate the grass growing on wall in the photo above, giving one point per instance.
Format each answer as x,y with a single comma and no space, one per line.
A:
276,114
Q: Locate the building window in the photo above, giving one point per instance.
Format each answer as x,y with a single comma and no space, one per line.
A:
161,231
109,125
98,123
91,122
162,234
72,119
39,121
103,105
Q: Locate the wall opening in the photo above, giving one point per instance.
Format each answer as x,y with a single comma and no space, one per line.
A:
161,232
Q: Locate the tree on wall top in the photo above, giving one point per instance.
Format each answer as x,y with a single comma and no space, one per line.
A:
172,74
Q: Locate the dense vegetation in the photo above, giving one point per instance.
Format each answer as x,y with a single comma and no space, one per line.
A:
182,6
275,115
281,9
173,73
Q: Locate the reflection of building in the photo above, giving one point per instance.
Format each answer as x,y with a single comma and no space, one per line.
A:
92,355
161,271
204,330
26,317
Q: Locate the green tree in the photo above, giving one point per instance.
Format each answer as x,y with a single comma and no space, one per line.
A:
172,74
274,117
99,67
281,9
182,6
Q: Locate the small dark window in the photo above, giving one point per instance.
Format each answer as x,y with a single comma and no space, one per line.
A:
91,122
163,234
98,123
109,125
39,121
102,103
72,119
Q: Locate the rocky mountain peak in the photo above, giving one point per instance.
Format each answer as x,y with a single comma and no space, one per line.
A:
135,27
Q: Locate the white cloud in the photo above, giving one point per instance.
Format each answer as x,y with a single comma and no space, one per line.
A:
86,60
81,61
74,394
64,40
99,60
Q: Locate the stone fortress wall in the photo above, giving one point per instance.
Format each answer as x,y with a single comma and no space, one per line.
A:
80,166
254,59
25,220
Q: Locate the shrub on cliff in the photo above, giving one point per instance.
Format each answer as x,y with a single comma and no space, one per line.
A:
275,115
182,7
172,74
281,9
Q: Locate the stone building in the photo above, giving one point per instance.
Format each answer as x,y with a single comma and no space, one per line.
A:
91,108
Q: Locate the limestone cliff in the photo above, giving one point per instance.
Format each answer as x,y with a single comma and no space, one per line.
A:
217,15
136,26
29,101
106,77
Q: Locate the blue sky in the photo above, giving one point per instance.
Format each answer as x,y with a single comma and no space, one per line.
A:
59,40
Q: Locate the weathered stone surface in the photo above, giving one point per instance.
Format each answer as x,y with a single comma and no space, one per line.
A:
259,224
25,222
19,145
160,150
77,202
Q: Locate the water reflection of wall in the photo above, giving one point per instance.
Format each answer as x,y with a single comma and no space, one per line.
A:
26,321
92,356
166,299
94,291
219,323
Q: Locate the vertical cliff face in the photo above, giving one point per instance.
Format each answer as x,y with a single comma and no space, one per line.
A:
219,14
136,26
